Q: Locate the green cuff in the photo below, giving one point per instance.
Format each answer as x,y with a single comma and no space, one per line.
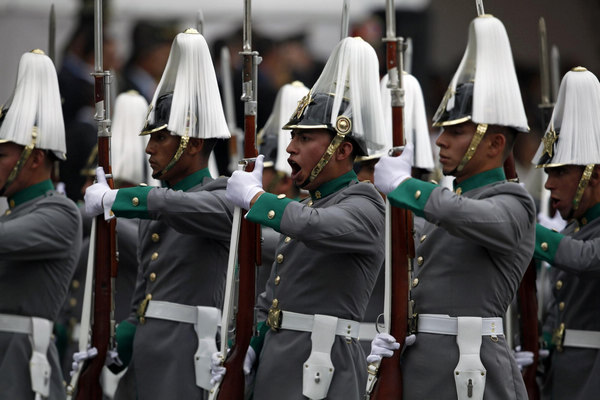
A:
257,341
546,243
268,210
124,336
132,202
547,341
412,194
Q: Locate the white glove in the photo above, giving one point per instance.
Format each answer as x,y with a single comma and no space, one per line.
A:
392,171
242,186
523,358
249,360
382,346
217,370
80,356
99,197
556,223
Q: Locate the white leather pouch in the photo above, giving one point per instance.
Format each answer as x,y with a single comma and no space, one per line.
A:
469,374
318,368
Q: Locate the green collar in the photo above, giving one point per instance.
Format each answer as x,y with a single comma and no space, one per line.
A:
333,185
30,193
590,215
479,180
192,180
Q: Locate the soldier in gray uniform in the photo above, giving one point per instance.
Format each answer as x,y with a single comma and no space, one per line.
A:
331,244
570,154
40,234
184,236
478,239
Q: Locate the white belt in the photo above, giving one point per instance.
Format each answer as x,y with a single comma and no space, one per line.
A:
304,323
580,338
40,332
172,311
15,324
446,325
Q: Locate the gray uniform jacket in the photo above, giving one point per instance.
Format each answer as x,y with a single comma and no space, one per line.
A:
39,247
328,258
470,258
183,254
574,373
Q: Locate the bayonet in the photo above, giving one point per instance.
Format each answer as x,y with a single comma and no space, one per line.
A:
345,19
555,72
480,9
200,22
52,35
544,64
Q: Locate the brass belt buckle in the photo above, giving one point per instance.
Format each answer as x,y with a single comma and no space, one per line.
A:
141,312
558,336
274,317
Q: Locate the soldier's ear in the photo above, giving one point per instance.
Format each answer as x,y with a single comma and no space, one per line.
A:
39,158
344,151
497,143
195,146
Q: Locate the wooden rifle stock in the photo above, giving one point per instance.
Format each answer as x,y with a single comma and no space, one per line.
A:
389,383
527,300
233,384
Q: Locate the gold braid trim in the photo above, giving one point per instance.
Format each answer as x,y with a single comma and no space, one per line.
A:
481,129
583,183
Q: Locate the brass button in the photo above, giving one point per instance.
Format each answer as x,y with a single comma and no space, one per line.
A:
72,301
423,238
152,277
271,214
277,279
287,239
584,221
281,196
415,282
135,201
417,194
559,285
420,260
576,229
7,212
11,203
459,191
155,237
154,256
310,203
544,246
143,184
279,258
561,305
275,303
318,194
148,296
75,284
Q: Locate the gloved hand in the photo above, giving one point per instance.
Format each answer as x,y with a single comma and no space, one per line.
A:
99,197
249,360
382,346
556,223
80,356
392,171
242,186
523,358
217,370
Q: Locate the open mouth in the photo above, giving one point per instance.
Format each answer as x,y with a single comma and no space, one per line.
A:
296,168
554,202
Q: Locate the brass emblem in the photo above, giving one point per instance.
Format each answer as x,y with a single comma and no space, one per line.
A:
302,104
274,316
549,139
343,125
141,312
558,337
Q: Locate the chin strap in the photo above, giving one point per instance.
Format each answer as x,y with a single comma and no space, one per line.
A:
479,133
182,146
25,154
583,183
343,126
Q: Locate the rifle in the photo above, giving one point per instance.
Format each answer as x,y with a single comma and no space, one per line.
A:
105,255
399,239
233,384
